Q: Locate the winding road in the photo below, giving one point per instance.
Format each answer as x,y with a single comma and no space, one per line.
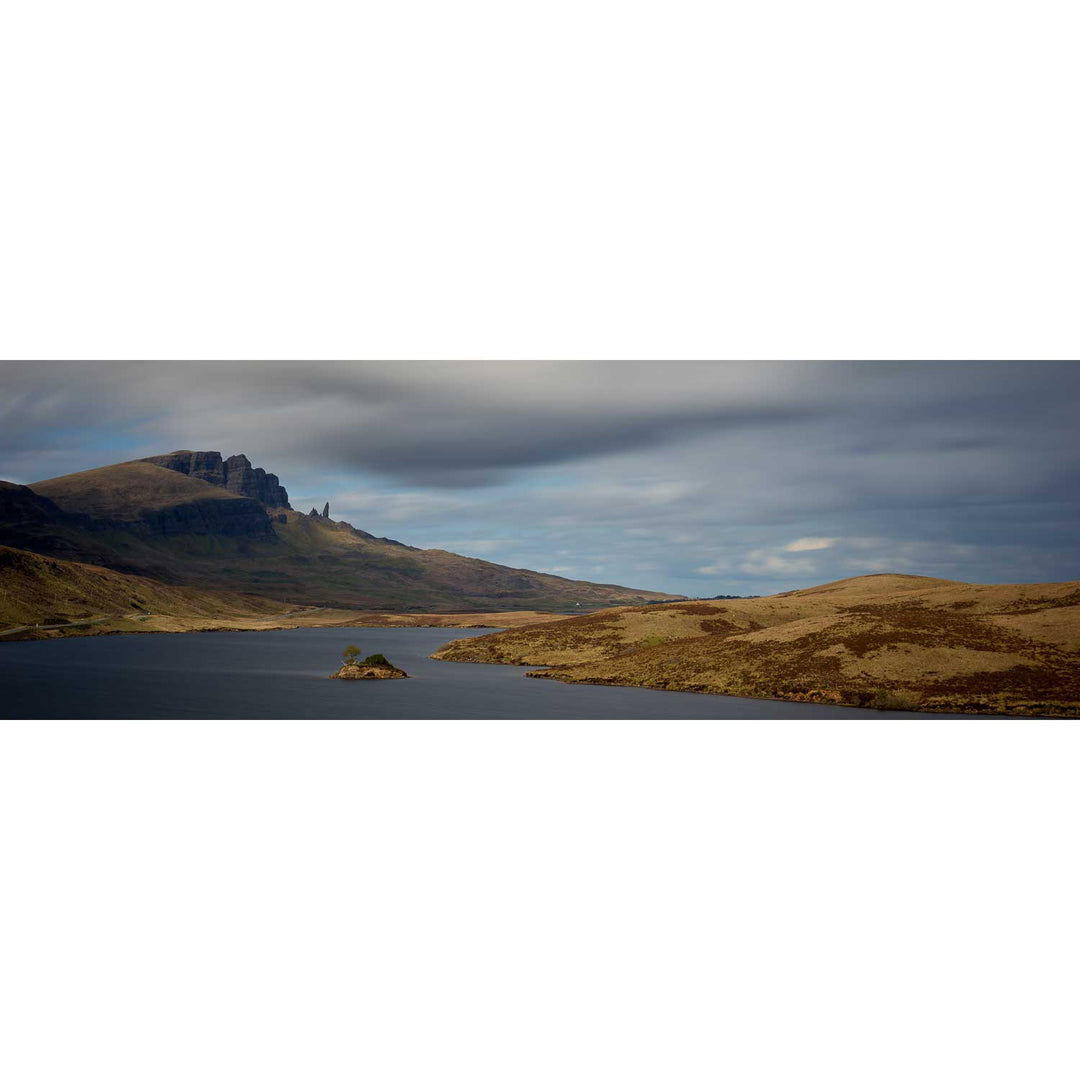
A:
55,626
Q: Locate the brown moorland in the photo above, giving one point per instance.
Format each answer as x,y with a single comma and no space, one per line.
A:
885,640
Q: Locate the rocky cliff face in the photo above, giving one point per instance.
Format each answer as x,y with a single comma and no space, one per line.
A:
242,479
209,517
235,475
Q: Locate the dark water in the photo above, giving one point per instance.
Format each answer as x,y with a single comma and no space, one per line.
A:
283,674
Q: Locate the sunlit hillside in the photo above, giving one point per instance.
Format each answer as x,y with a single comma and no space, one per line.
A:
893,640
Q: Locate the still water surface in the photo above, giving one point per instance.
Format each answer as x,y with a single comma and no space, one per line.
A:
283,674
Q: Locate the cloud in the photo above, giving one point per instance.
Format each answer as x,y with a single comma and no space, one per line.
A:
450,425
811,543
762,563
714,569
664,474
480,548
395,507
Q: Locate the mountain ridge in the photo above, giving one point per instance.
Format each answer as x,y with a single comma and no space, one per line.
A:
163,518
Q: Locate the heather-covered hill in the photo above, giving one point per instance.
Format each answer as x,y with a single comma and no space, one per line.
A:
888,639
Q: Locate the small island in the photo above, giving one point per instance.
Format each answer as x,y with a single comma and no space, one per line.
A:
375,666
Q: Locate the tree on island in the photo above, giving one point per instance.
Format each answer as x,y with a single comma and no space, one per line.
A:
375,666
352,654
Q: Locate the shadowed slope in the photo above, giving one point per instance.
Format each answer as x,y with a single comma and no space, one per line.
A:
41,597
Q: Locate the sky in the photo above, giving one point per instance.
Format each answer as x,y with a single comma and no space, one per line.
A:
696,478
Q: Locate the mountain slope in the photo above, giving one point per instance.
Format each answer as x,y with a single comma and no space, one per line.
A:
158,520
29,520
38,589
889,639
156,501
41,597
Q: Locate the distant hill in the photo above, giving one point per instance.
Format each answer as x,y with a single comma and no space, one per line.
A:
890,640
195,518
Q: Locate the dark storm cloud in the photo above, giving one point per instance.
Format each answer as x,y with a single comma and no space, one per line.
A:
445,424
682,476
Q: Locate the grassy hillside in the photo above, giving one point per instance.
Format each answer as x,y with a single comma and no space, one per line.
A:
38,589
126,492
40,596
886,639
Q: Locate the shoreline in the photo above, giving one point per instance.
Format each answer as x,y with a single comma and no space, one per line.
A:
320,619
970,710
944,710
